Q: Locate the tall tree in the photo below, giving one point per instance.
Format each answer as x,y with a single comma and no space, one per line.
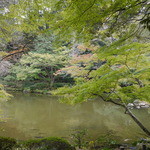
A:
36,70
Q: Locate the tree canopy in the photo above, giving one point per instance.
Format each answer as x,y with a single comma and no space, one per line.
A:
78,18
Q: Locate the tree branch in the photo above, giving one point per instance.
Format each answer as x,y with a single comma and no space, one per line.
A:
88,8
22,51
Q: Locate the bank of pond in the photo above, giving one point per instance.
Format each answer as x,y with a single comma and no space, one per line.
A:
77,142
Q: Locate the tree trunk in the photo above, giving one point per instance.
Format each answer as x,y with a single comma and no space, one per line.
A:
146,131
137,121
52,78
52,82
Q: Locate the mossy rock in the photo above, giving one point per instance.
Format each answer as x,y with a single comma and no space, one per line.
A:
52,143
7,143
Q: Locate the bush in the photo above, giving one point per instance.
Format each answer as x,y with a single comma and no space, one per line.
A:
51,143
7,143
107,141
79,138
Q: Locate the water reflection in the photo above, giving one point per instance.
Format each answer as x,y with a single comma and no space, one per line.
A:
41,116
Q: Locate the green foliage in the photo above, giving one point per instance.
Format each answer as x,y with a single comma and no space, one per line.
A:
69,18
124,63
38,69
81,65
7,143
105,141
36,66
108,140
48,144
142,140
2,54
44,44
78,138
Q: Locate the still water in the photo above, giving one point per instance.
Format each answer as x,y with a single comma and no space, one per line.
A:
33,116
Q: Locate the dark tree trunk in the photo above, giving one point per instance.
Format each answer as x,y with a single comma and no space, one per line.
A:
146,131
137,121
52,78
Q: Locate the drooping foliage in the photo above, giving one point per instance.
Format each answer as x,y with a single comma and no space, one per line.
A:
124,76
81,17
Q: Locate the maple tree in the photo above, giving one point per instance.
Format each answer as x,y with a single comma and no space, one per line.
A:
123,78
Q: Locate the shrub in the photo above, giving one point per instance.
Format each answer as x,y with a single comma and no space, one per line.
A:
52,143
7,143
79,138
107,141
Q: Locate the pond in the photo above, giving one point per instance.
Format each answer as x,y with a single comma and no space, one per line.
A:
34,116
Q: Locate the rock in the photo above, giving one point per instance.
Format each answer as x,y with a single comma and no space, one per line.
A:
138,104
138,107
126,140
130,105
136,101
145,106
